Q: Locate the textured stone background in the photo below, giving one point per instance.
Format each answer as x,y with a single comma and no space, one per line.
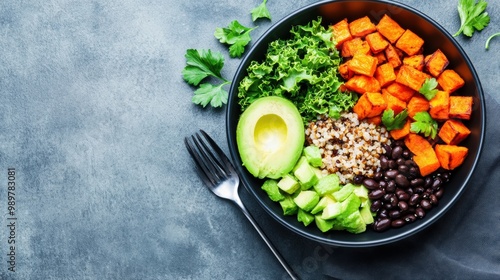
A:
93,111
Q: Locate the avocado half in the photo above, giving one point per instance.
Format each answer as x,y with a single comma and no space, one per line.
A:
270,137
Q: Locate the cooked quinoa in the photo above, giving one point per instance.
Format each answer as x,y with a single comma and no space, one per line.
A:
348,147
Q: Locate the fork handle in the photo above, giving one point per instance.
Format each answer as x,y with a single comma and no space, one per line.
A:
288,269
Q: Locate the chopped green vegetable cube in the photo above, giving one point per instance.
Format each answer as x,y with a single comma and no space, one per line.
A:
271,188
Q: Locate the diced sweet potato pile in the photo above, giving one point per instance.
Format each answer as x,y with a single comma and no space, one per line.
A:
385,63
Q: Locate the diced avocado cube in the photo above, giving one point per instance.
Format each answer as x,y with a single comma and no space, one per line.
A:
306,200
289,207
322,224
319,173
304,217
354,223
305,173
332,210
344,192
271,188
349,205
288,184
327,184
313,155
325,200
361,191
366,214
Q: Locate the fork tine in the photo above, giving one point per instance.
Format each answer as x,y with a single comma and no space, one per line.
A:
225,160
195,154
216,167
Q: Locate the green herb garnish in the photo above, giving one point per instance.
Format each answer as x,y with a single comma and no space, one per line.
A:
487,45
236,36
424,124
202,64
428,88
392,122
472,16
261,11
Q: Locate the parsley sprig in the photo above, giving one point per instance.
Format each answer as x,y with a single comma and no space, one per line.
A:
392,122
472,16
261,11
424,124
236,35
428,88
201,64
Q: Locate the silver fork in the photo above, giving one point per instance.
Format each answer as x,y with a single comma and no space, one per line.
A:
218,173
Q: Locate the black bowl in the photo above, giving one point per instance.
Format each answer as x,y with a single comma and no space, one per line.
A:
435,37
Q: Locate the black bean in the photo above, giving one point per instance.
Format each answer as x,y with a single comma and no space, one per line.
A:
376,194
425,204
446,176
400,161
370,184
414,198
397,223
406,154
391,164
417,182
384,163
437,183
419,189
358,179
409,218
383,213
391,173
388,149
387,197
414,171
382,224
404,196
376,204
394,214
420,212
397,152
403,205
410,163
388,206
402,181
391,186
394,200
403,169
439,193
378,176
382,184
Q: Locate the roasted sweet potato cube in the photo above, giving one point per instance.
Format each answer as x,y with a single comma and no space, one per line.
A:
410,43
461,107
380,57
377,120
436,63
394,103
385,74
411,77
450,80
393,56
400,91
362,84
424,155
417,103
341,32
344,71
415,61
439,105
355,46
369,105
377,42
402,132
453,132
390,29
363,64
451,156
362,27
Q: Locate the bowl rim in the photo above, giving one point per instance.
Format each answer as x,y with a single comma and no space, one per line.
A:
326,239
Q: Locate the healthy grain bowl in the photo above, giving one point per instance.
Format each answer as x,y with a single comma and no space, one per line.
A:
356,123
